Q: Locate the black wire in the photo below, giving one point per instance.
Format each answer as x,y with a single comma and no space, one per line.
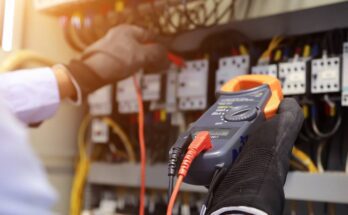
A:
188,16
213,12
247,10
217,177
228,9
168,16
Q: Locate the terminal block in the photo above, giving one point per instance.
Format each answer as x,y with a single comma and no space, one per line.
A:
293,77
151,87
230,67
100,102
126,96
265,70
99,131
192,85
325,76
344,100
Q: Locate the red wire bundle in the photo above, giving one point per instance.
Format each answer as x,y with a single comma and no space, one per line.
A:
142,146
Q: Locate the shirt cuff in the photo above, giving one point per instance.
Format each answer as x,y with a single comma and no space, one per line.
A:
239,210
31,94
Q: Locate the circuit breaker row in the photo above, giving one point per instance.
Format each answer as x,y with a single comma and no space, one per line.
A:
324,75
187,88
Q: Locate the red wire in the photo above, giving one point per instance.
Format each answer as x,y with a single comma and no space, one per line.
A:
142,146
200,143
174,194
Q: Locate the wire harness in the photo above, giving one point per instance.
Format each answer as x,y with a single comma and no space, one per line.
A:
199,144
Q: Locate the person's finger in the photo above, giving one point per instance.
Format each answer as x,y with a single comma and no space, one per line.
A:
289,105
140,34
155,57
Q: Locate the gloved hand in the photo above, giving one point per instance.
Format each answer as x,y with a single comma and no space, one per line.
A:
257,177
123,51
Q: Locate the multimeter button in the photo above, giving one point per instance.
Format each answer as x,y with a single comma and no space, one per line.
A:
246,114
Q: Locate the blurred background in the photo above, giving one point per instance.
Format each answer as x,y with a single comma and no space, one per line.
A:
262,36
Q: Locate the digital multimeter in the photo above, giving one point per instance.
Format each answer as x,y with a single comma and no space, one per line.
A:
242,104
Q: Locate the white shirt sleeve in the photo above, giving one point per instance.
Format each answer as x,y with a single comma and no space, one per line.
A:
30,94
24,188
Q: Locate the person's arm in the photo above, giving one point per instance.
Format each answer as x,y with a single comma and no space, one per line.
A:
24,187
66,87
33,95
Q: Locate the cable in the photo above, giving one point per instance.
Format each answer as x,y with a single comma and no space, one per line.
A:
319,153
317,130
213,12
76,196
297,165
200,143
142,146
174,194
65,22
175,156
304,159
271,47
123,137
16,59
77,25
188,16
347,164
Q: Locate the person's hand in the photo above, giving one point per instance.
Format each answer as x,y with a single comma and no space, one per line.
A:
257,177
123,51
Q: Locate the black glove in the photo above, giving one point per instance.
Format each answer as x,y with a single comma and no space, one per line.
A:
257,177
123,51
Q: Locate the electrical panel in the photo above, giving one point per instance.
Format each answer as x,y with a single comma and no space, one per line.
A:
151,87
265,70
230,67
99,131
344,99
293,77
100,102
325,77
192,85
171,89
126,96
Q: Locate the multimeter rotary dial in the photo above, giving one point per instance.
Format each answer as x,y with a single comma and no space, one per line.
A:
244,114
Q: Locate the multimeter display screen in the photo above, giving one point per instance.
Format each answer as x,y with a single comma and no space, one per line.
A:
218,133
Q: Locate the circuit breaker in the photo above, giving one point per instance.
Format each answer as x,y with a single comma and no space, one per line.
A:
230,67
99,131
151,87
344,99
100,102
171,89
293,77
192,85
265,70
126,96
325,77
